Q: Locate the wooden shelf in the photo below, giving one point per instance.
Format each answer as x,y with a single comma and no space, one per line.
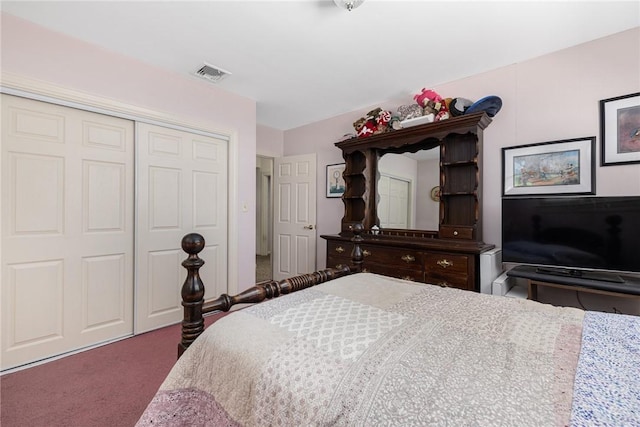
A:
460,163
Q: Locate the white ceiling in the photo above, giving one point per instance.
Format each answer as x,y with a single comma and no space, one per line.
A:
304,61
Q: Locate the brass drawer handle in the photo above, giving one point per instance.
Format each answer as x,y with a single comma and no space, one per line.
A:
408,258
366,253
409,278
339,249
444,263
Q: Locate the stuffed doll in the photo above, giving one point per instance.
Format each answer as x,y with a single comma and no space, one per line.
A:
426,95
364,127
382,121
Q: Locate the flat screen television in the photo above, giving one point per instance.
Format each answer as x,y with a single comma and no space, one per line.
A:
573,235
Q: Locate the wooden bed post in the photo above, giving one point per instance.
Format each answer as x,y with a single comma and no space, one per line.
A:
193,288
192,291
357,256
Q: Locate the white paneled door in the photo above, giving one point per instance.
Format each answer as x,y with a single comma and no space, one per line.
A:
294,219
67,229
182,188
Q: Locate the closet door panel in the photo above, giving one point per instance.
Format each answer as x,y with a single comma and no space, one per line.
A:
182,188
67,229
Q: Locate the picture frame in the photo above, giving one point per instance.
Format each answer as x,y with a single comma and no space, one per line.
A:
550,168
435,193
620,130
335,180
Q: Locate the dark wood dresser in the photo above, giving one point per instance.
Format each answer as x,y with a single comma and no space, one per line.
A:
448,256
421,260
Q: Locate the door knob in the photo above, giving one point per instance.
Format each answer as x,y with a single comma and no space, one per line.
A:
308,227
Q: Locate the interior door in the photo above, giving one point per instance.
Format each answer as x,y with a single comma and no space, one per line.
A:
182,188
294,225
67,229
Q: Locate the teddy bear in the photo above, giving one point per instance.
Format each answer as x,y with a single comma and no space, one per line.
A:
382,121
443,113
432,103
364,127
426,95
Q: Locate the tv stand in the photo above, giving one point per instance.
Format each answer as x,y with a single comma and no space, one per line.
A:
580,274
592,282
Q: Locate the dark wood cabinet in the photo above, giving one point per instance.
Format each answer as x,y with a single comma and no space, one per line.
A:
416,259
448,256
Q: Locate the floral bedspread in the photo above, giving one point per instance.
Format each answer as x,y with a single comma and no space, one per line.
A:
368,350
607,385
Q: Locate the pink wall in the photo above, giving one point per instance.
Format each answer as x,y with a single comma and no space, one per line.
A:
269,141
548,98
32,51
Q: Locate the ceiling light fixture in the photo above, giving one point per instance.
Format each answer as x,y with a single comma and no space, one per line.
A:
348,4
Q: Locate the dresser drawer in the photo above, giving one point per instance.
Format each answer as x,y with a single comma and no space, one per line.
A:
456,232
412,275
338,262
441,263
339,249
447,270
400,258
449,280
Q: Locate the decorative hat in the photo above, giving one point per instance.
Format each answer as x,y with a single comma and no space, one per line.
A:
458,106
490,104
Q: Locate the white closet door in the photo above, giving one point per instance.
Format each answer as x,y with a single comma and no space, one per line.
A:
182,188
67,229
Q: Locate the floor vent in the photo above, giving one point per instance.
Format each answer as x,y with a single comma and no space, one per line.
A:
212,73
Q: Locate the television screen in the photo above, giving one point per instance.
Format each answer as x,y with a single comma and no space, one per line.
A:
594,233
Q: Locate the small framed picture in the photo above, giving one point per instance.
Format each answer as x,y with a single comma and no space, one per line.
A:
435,194
335,180
620,130
556,167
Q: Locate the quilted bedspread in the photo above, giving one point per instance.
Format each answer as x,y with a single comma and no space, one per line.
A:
368,350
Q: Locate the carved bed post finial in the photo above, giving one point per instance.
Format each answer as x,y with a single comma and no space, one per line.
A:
192,291
357,256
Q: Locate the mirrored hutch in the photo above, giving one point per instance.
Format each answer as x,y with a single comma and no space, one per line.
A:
448,256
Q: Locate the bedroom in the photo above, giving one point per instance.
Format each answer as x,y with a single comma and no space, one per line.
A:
573,79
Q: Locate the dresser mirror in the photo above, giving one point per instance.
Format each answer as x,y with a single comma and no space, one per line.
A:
404,189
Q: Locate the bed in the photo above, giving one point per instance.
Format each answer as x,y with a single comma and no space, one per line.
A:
348,348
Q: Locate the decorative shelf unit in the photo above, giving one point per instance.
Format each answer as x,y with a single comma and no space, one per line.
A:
448,256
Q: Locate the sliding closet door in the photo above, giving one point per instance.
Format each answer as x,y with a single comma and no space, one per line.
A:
182,188
67,229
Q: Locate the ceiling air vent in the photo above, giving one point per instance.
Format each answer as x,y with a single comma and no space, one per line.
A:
212,73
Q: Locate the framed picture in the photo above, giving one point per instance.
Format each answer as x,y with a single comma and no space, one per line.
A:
620,130
435,194
335,180
556,167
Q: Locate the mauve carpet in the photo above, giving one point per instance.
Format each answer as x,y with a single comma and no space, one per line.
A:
109,386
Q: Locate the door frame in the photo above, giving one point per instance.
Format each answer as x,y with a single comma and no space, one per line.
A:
264,206
17,85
